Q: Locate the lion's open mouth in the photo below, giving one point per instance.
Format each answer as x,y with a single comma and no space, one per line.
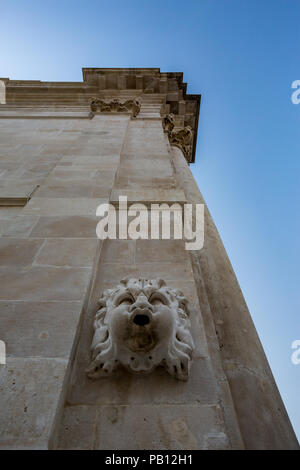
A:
141,319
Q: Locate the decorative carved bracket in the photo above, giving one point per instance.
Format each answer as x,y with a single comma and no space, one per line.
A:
182,138
141,324
168,123
114,106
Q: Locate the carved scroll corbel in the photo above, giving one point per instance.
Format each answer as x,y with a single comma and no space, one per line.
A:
98,105
181,138
168,123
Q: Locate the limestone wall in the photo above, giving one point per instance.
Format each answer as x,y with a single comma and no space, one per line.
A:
57,164
156,411
47,251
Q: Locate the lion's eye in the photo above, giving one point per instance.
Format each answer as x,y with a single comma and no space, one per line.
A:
126,301
157,300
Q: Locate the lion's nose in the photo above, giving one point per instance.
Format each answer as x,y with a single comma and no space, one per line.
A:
141,319
141,303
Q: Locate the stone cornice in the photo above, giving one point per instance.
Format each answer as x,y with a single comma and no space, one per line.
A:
166,89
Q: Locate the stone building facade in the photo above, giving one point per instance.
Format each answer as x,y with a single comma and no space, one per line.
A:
66,148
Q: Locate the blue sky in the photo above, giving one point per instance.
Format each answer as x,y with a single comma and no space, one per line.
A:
242,56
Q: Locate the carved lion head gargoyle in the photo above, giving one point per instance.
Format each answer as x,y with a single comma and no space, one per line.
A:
141,324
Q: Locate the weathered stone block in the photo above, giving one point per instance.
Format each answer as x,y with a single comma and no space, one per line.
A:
20,226
30,390
18,252
67,252
46,206
43,283
76,226
77,429
168,427
39,329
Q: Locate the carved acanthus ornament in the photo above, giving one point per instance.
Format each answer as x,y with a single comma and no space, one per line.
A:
182,138
168,123
115,106
141,324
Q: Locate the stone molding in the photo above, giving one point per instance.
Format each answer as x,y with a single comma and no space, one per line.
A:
141,324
